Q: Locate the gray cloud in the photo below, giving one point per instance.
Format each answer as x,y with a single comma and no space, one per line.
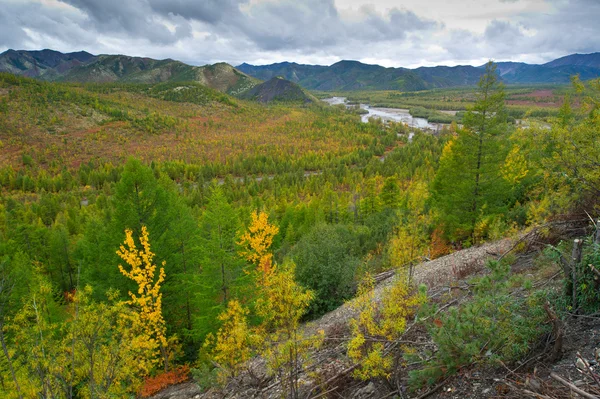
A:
132,17
11,30
309,31
571,26
292,24
314,24
210,11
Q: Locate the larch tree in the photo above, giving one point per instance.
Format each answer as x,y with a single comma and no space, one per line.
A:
148,319
469,187
181,300
219,226
9,294
256,243
98,335
281,304
377,324
410,239
44,360
232,346
566,156
140,201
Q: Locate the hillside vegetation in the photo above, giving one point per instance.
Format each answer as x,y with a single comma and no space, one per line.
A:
45,64
278,90
83,67
154,232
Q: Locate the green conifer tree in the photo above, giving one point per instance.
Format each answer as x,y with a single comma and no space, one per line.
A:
468,187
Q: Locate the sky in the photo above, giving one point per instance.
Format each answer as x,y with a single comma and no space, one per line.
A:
398,33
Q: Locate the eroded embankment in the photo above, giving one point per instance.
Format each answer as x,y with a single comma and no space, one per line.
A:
434,274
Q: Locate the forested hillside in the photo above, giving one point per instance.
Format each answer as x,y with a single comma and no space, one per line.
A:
278,90
357,76
83,67
45,64
155,232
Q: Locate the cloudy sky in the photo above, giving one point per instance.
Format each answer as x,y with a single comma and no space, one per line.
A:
407,33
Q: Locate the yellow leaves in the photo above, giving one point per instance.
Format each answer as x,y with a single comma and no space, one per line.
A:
375,364
515,166
418,194
280,305
539,211
447,150
257,241
91,349
232,347
148,319
398,304
376,324
402,249
283,302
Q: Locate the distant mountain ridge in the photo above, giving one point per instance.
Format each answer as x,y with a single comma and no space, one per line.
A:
354,75
521,73
589,60
342,76
45,64
87,68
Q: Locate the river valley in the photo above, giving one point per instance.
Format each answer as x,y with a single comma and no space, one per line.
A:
390,114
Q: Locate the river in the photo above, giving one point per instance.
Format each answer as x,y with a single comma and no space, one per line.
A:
389,114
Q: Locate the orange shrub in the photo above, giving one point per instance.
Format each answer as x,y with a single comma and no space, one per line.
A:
439,245
153,385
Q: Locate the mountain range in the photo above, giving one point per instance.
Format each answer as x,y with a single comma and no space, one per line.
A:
342,76
353,75
86,68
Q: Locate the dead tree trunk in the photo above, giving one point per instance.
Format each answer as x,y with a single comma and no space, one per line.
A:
575,260
557,332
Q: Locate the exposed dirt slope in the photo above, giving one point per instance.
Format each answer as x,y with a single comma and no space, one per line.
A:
436,273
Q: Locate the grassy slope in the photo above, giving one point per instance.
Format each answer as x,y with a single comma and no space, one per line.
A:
119,68
279,90
68,124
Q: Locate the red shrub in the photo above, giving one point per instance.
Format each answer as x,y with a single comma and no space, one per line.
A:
439,245
153,385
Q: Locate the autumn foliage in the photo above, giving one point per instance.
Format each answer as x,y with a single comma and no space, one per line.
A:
257,241
439,245
153,385
232,346
280,305
378,324
79,164
148,319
